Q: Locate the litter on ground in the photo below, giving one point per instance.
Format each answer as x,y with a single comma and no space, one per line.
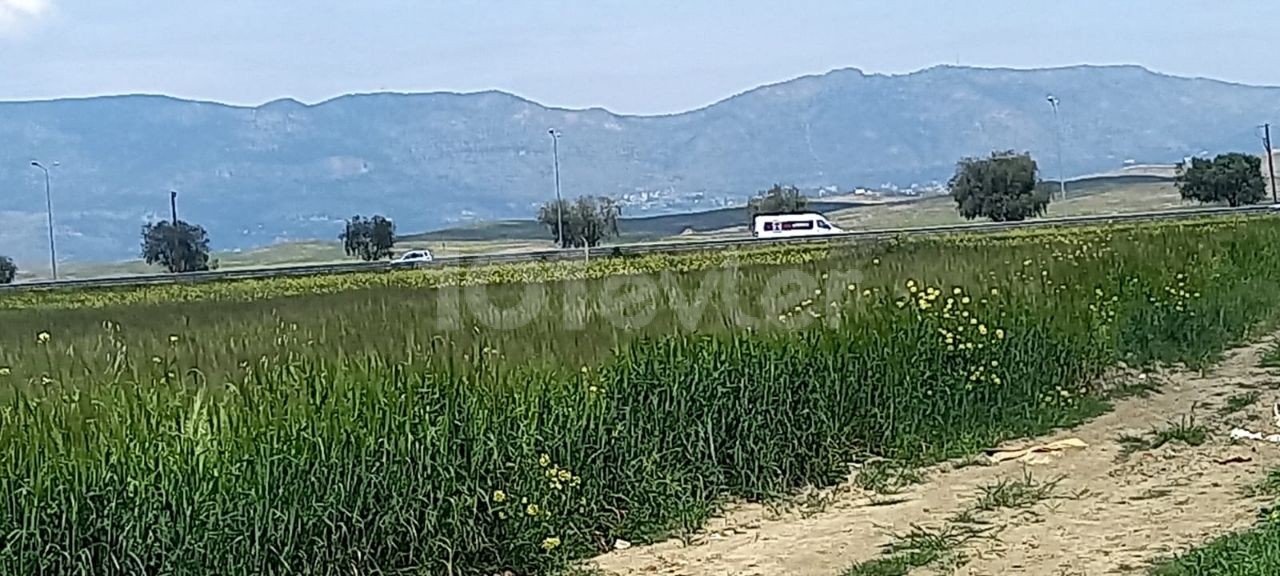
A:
1025,454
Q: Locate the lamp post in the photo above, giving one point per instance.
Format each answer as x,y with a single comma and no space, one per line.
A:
555,153
48,203
1062,180
173,207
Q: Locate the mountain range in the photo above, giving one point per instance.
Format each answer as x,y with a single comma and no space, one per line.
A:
286,170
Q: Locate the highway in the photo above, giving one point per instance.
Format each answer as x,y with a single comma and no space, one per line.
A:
624,249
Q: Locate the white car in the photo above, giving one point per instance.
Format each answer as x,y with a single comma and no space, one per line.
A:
413,256
792,225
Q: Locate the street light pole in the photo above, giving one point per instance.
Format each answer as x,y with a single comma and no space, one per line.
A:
1062,180
1271,165
173,206
555,152
48,204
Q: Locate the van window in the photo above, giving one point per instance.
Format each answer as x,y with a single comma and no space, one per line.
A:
823,225
768,226
802,225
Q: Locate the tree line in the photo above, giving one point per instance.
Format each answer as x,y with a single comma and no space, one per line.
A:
1003,187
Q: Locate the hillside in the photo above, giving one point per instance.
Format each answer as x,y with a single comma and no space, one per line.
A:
286,171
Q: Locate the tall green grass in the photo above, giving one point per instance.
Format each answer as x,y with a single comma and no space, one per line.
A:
1252,553
358,433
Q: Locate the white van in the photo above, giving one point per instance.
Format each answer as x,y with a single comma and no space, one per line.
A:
792,225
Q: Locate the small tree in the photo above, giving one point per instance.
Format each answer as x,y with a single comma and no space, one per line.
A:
183,247
8,270
1002,187
369,239
777,200
587,221
1233,178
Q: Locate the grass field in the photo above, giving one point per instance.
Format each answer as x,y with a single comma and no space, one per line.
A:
1110,199
1254,553
520,417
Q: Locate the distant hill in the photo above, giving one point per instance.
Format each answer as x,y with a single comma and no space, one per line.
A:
288,171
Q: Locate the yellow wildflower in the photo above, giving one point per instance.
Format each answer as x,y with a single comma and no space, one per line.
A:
544,460
499,496
531,510
1000,333
173,338
550,544
43,337
4,371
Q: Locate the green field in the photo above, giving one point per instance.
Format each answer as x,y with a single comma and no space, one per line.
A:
522,417
1092,198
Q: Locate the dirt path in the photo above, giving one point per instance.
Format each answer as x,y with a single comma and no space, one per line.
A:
1109,513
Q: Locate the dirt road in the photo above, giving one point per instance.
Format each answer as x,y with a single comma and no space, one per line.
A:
1138,492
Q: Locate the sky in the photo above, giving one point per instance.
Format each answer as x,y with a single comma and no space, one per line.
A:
633,57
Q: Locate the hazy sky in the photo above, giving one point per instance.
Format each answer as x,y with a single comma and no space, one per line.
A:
636,56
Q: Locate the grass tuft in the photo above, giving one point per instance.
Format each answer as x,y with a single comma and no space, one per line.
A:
1185,431
1014,493
1270,356
1238,402
922,547
886,477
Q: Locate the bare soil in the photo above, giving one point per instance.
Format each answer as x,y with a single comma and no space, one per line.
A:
1112,512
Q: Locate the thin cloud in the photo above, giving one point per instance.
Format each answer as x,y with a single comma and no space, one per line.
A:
15,14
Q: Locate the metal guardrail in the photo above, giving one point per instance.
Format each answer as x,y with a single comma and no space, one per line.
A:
623,250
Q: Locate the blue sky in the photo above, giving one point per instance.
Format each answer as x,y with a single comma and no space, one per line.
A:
638,56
